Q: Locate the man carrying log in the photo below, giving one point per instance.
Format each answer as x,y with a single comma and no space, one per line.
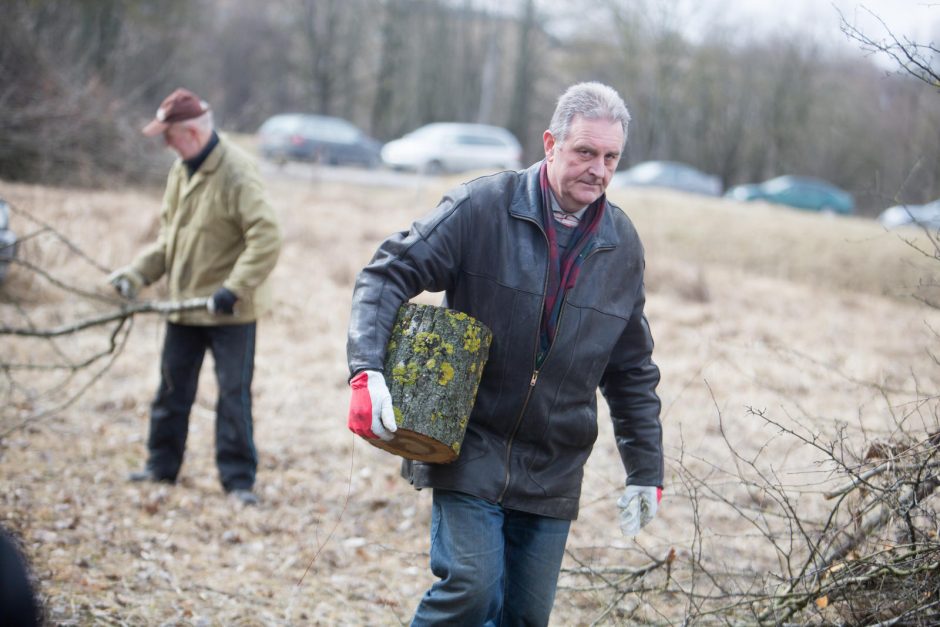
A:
555,271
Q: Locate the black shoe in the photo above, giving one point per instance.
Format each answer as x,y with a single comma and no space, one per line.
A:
147,475
244,496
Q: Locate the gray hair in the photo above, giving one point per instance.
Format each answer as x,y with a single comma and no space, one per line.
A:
592,101
203,123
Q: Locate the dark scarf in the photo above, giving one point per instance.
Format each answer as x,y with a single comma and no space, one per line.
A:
563,269
192,165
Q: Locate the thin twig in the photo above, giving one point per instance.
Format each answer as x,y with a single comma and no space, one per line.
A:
126,311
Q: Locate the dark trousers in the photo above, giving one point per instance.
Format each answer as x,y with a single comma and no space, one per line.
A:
233,350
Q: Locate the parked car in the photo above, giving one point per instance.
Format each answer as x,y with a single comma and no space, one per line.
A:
912,215
454,147
319,138
802,192
7,240
671,174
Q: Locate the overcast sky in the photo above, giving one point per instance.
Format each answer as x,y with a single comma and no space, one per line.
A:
814,20
918,19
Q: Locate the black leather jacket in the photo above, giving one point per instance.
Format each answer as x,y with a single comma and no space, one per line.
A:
530,431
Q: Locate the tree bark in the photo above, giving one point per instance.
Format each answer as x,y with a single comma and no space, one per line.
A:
433,364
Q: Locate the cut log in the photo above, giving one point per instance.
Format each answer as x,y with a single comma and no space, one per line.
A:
433,364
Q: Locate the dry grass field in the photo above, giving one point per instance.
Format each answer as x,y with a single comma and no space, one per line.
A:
806,319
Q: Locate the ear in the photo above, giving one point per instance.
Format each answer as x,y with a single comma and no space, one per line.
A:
549,142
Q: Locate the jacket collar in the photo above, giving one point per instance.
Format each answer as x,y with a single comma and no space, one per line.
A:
193,165
527,197
210,165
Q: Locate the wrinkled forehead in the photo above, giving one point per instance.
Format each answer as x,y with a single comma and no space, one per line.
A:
602,133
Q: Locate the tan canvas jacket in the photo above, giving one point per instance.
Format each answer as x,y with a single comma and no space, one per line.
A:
215,229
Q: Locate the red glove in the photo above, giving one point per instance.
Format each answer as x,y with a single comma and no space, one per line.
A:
370,408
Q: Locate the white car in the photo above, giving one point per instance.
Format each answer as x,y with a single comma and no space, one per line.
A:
912,215
454,147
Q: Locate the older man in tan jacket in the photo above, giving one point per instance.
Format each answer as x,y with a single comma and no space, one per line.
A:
218,239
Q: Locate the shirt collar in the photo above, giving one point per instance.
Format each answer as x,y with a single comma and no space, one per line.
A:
566,218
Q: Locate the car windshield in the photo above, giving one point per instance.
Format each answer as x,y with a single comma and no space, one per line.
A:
281,124
466,135
329,130
426,133
775,186
646,171
783,183
479,140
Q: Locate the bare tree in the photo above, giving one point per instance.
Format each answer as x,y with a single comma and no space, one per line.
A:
525,72
320,24
910,57
62,113
392,55
77,80
245,94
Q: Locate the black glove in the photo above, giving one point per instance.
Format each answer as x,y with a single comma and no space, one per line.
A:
222,302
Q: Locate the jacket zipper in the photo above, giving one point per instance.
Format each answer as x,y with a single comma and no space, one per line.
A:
535,376
512,436
532,382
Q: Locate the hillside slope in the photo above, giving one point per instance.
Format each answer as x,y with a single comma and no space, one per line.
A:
751,307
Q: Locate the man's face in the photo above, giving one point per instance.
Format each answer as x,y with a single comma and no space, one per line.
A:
183,139
580,168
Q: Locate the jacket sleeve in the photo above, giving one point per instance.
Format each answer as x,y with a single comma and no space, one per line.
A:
424,258
629,385
151,262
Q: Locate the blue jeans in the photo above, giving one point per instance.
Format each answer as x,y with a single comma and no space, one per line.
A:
496,566
233,350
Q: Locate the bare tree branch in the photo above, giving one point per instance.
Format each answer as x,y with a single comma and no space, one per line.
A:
913,58
125,312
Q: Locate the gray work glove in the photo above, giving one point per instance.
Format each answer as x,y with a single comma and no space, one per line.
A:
127,281
222,302
638,506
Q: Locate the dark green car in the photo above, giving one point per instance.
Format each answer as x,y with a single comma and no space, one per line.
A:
802,192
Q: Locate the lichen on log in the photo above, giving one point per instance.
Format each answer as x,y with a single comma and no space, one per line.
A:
433,364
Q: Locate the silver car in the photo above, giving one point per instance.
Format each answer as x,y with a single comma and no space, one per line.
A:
7,240
318,138
670,174
454,147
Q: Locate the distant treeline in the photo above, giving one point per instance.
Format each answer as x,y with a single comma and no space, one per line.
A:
78,78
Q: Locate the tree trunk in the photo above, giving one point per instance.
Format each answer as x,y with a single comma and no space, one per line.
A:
433,364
